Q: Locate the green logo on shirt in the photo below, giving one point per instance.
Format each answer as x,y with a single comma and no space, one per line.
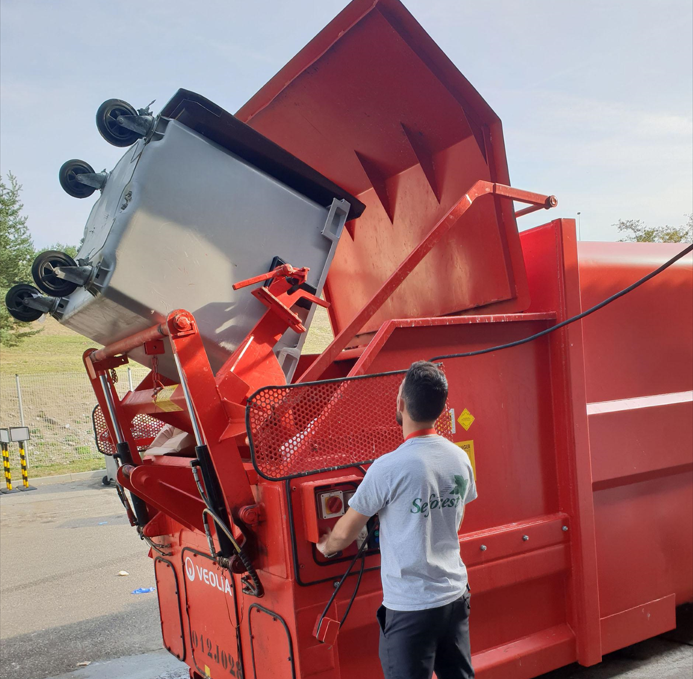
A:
460,487
459,490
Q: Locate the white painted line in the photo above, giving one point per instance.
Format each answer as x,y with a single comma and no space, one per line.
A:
639,402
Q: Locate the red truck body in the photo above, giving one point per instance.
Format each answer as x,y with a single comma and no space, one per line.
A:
581,540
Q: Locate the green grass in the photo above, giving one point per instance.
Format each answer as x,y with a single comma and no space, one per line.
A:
54,349
58,349
319,333
88,465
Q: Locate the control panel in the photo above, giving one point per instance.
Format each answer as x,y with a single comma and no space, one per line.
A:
324,503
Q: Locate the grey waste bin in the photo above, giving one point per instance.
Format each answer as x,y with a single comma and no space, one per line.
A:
200,203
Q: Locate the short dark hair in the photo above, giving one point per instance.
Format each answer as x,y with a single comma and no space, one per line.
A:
425,391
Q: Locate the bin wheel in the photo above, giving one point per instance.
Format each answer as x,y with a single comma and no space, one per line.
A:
107,123
14,299
68,178
47,281
106,481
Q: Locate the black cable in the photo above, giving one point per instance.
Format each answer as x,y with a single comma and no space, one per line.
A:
568,321
356,590
338,586
360,575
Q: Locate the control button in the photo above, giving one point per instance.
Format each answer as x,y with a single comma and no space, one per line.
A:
331,504
334,504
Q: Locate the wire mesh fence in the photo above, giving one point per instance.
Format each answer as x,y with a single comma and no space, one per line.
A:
57,409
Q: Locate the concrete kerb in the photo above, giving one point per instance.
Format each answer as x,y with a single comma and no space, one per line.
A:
68,478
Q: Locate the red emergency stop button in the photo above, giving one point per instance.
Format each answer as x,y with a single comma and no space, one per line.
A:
334,504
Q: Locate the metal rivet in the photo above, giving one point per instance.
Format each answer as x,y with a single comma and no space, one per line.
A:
525,537
565,529
483,548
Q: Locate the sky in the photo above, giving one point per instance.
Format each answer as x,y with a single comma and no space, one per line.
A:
596,98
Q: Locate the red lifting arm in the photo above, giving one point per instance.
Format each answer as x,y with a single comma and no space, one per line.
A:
480,188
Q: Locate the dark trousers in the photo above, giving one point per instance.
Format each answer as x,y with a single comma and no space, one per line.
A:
414,644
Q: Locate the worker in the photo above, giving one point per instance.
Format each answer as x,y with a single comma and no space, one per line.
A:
419,492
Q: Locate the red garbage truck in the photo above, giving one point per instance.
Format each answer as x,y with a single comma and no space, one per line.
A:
369,176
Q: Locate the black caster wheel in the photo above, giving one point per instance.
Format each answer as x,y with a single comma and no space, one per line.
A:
107,123
44,277
15,298
106,481
68,178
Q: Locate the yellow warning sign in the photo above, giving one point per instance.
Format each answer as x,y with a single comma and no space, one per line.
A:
207,672
466,419
164,399
468,447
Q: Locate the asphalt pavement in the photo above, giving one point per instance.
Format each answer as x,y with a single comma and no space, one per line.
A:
65,613
62,601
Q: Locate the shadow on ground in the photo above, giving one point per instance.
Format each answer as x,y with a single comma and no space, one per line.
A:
60,649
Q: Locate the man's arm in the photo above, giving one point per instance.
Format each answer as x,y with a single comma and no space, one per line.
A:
345,532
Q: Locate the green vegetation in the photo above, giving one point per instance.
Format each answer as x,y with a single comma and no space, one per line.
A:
74,467
58,349
319,334
17,254
53,349
16,257
637,232
70,250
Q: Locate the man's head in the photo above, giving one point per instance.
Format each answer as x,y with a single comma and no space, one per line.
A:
422,394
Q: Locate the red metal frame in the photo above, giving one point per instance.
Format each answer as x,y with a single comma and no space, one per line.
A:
434,236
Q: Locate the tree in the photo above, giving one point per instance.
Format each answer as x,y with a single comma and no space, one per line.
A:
637,232
16,257
70,250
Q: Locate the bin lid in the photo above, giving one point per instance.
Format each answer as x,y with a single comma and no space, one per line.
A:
375,105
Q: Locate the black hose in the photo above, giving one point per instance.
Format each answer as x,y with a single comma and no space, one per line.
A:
568,321
256,589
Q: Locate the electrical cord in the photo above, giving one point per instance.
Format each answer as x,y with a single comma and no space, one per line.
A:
361,551
338,586
356,590
568,321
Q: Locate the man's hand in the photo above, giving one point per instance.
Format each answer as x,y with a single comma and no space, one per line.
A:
322,545
345,532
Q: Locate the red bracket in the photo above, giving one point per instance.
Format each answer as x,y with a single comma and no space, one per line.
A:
280,272
154,347
326,631
254,360
283,292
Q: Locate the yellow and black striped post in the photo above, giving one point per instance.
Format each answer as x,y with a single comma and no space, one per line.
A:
6,466
22,458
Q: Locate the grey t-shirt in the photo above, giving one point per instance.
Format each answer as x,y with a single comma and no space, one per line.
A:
419,492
